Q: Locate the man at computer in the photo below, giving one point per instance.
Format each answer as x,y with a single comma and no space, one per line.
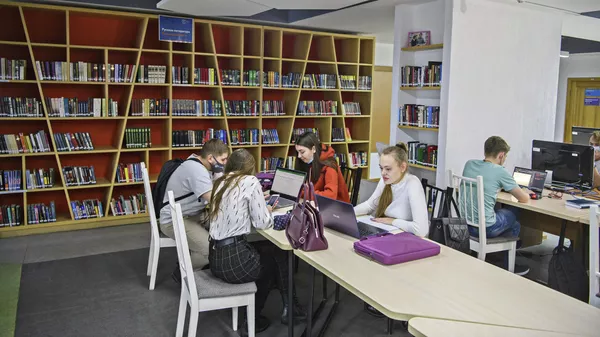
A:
495,178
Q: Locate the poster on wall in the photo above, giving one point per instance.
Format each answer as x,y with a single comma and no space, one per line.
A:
175,29
592,92
591,101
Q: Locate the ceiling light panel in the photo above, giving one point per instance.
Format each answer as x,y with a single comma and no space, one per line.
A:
308,4
213,7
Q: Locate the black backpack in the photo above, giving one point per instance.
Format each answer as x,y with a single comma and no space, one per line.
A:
160,188
565,272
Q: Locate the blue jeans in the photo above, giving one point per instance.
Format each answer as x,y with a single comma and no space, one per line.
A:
506,222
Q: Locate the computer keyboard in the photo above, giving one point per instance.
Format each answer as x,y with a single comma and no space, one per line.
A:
366,230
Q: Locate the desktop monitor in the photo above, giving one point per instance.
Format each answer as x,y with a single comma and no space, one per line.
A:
571,164
581,135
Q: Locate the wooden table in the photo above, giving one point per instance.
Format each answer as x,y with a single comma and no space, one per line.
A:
452,286
427,327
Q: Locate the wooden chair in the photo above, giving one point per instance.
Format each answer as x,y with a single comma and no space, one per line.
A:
157,239
352,176
594,248
472,190
201,290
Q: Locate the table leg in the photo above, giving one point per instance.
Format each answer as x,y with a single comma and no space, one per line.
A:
390,326
308,331
291,293
332,311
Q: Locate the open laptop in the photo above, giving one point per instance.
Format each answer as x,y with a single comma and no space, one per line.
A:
287,184
534,180
339,216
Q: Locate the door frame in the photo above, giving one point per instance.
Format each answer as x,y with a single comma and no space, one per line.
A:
574,103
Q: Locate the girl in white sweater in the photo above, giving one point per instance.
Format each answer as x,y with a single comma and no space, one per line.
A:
399,199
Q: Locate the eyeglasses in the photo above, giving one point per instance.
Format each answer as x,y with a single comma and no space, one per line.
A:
555,195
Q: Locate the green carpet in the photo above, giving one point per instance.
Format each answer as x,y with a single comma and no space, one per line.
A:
10,280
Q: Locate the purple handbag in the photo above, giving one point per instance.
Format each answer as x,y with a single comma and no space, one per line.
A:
390,248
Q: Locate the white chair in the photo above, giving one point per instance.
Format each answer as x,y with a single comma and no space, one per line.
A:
594,259
201,290
157,239
463,191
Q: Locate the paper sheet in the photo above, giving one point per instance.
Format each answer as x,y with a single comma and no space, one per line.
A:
367,219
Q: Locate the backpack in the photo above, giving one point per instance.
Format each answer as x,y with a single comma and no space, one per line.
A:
565,272
160,188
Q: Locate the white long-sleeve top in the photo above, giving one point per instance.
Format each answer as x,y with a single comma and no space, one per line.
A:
408,207
242,206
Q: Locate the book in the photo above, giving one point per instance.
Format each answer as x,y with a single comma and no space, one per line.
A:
273,108
197,138
21,107
129,173
242,108
138,138
244,137
190,107
79,175
580,203
319,81
40,213
87,209
77,141
317,108
133,204
10,180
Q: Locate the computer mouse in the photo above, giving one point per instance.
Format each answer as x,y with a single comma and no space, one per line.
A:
533,196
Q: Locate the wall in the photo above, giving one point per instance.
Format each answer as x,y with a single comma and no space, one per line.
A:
384,54
503,80
577,65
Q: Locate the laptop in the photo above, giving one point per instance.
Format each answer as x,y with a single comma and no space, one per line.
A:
340,217
287,184
534,180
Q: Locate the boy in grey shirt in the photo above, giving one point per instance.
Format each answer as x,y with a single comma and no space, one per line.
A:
195,177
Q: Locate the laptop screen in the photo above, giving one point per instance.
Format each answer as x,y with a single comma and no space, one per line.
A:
287,183
530,178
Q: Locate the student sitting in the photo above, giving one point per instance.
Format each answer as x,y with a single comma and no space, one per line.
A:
194,178
495,178
236,205
399,199
325,172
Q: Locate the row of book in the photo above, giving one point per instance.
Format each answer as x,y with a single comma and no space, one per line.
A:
76,141
86,72
122,73
180,75
190,107
134,204
244,137
317,108
39,178
357,158
271,79
24,143
291,80
136,138
40,213
319,81
271,163
273,108
296,133
270,136
205,76
129,173
242,108
197,138
21,107
365,82
419,115
348,82
10,180
422,154
155,74
79,175
422,76
10,215
12,69
252,78
149,107
351,108
340,135
230,77
73,107
87,209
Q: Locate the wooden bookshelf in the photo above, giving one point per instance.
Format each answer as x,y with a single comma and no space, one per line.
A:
420,88
428,47
36,32
417,128
423,167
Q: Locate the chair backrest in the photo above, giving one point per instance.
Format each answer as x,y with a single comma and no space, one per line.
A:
594,253
435,198
183,250
352,177
149,202
469,193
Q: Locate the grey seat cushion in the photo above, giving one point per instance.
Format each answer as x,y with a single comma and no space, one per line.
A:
498,239
209,286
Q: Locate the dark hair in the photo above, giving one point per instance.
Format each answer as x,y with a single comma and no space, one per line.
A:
495,145
215,147
310,140
241,163
400,154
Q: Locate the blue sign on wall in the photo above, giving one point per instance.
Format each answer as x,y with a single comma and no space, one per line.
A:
592,92
591,101
175,29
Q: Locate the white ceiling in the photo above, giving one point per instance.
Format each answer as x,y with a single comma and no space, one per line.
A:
213,7
578,6
307,4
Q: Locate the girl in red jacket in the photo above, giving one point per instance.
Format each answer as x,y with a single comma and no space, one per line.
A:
325,172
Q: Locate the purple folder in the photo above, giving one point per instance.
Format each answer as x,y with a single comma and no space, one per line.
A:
390,248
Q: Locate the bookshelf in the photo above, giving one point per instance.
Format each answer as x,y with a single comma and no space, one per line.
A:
48,33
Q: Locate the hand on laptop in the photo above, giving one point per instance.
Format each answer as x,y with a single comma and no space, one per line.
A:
387,221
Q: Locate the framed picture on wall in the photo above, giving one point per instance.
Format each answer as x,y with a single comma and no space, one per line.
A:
422,38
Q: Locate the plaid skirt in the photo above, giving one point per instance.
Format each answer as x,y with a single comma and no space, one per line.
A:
235,263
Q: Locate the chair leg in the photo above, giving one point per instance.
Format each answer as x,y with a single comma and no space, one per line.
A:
234,316
250,316
481,253
193,319
181,314
154,267
512,256
150,253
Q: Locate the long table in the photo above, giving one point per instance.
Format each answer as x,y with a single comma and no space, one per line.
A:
427,327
